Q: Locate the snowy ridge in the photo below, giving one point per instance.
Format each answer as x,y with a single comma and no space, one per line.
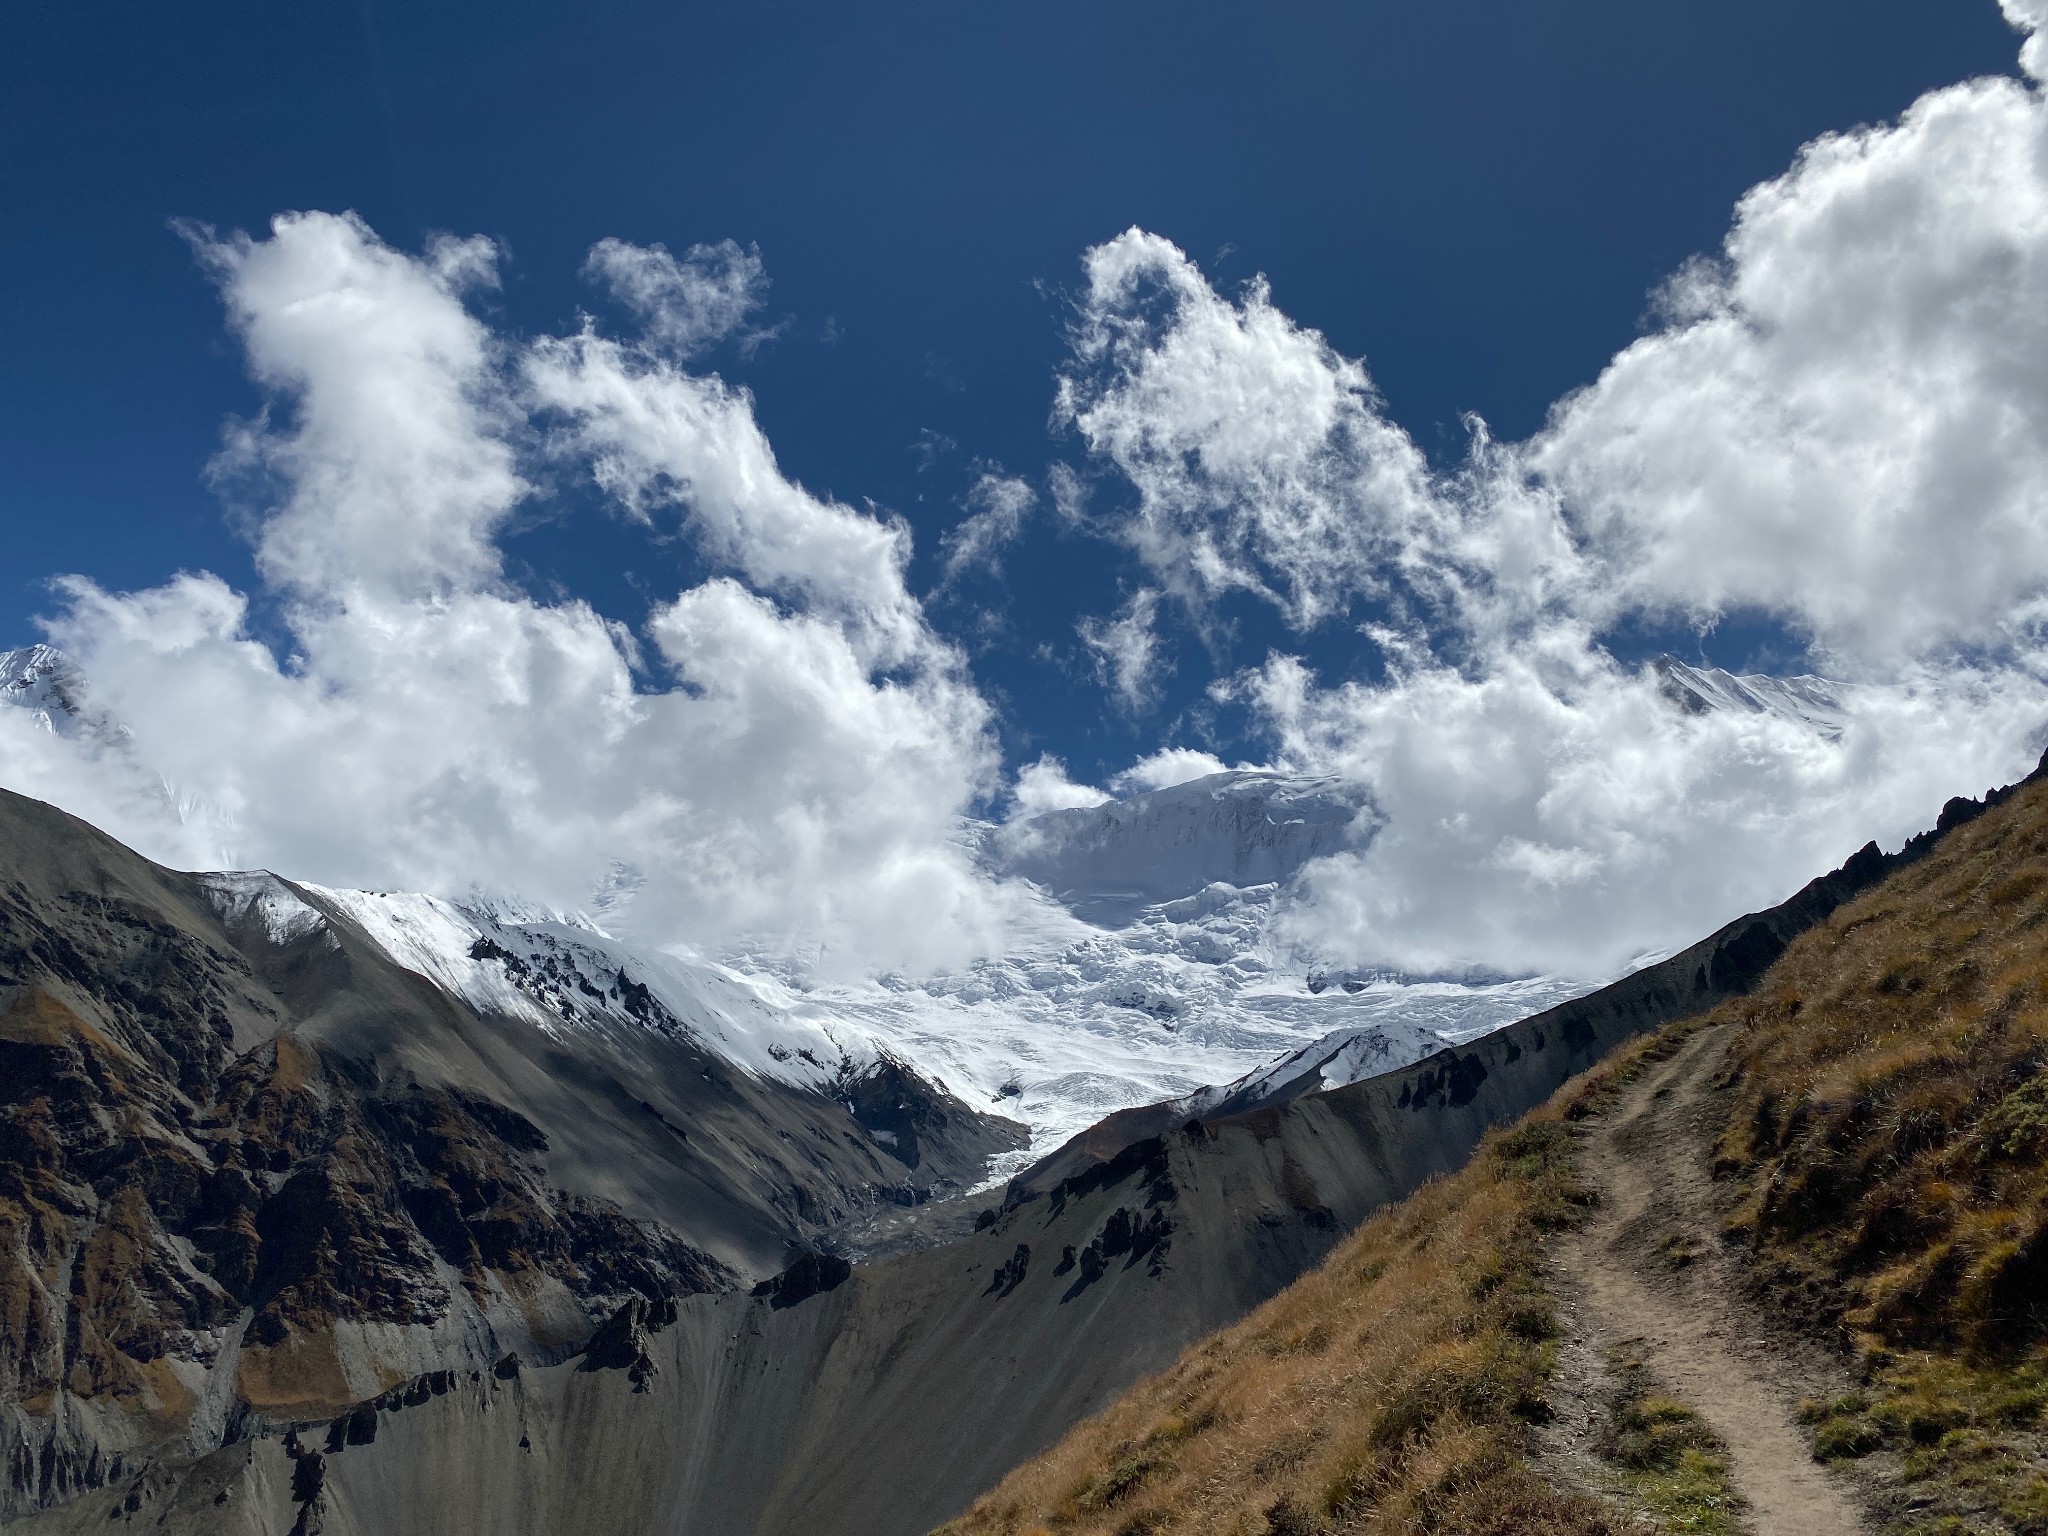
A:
1813,702
561,973
255,894
1408,1021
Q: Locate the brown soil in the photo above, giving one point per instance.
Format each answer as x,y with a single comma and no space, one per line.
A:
1649,1277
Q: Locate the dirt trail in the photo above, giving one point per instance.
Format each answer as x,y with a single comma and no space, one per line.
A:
1649,1272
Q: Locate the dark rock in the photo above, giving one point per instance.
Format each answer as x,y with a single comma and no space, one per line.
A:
621,1344
309,1471
1010,1274
1446,1080
809,1274
1092,1265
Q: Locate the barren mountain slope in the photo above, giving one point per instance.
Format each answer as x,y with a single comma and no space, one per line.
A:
250,1170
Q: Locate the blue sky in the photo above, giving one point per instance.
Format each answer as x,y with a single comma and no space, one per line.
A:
565,558
1474,198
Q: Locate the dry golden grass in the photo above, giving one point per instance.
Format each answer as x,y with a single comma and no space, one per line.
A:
1890,1124
1891,1118
1394,1389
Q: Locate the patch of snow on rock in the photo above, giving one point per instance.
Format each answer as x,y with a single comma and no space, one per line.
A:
242,895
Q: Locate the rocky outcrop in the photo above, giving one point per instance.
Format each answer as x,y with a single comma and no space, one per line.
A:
252,1173
809,1274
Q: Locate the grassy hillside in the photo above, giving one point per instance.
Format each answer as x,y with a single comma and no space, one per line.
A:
1888,1127
1883,1151
1393,1389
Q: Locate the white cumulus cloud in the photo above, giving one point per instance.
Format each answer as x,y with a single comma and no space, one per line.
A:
793,771
1848,425
2030,17
1167,767
1258,454
1843,425
1044,786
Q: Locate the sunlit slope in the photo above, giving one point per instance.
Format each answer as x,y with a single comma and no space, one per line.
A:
1394,1388
1888,1134
1885,1152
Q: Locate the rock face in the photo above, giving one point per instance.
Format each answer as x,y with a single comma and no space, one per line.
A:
251,1171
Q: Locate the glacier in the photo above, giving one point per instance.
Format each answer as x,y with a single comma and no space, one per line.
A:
1145,965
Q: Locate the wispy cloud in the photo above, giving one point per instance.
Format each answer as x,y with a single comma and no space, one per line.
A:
1126,648
997,505
688,303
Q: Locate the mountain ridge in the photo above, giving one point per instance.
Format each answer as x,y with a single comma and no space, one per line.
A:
875,1398
283,1173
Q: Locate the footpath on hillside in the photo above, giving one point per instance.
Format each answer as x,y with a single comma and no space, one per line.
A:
1648,1279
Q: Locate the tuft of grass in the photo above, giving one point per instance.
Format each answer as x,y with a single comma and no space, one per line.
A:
1667,1456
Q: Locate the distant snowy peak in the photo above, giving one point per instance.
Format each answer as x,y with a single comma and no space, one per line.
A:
1814,702
48,684
1344,1056
1242,829
1395,1025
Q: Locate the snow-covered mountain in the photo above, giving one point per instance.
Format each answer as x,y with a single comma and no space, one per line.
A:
1073,1023
1065,1035
564,973
44,681
1814,702
1144,968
